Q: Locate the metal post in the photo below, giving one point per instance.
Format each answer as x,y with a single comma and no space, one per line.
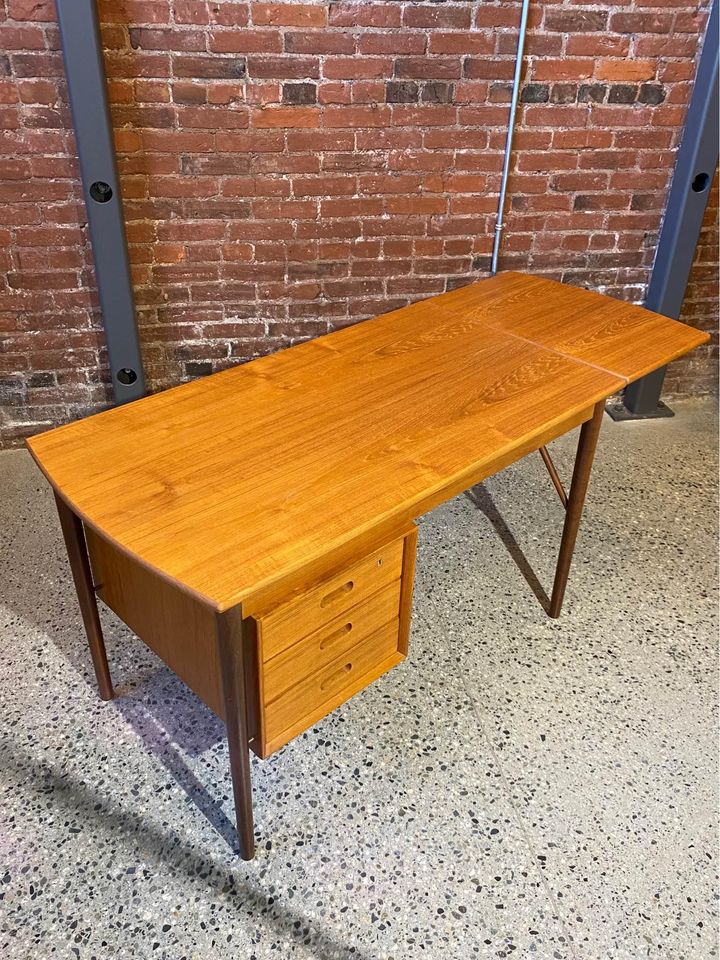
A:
517,78
694,170
85,73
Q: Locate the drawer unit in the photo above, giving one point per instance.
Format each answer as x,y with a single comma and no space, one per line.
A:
316,695
331,641
317,606
328,642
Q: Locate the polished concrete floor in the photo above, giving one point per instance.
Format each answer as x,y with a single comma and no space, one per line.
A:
519,787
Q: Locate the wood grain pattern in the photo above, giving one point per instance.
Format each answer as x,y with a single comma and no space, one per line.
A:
76,546
406,589
335,638
230,657
314,697
619,337
323,602
235,484
176,626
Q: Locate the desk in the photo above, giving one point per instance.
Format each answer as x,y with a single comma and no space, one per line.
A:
255,528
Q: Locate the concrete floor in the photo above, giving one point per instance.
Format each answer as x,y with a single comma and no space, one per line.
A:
520,787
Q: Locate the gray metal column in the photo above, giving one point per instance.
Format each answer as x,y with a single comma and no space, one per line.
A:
85,72
694,170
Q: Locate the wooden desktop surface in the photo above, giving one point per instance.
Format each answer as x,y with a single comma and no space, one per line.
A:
229,485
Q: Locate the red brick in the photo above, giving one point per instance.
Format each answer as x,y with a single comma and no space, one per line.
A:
457,18
641,22
580,139
134,11
547,161
292,117
367,91
287,68
394,43
350,68
486,68
21,38
677,45
574,20
383,138
622,116
419,160
357,116
565,69
629,70
365,205
537,45
416,206
319,42
245,41
191,11
289,14
145,38
462,42
362,14
426,115
35,10
597,45
323,186
210,117
473,139
229,14
255,186
427,68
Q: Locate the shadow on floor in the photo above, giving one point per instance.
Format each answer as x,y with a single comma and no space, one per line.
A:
168,718
481,498
184,857
173,723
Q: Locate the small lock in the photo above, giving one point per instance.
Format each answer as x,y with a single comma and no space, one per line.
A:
379,563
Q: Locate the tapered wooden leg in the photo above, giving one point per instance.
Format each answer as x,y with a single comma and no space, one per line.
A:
229,634
574,507
76,547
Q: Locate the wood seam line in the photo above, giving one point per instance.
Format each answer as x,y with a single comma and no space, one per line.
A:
559,353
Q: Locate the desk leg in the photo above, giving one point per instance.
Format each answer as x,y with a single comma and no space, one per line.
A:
229,636
576,499
76,547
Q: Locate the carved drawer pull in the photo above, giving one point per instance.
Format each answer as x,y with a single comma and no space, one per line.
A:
330,681
345,629
336,594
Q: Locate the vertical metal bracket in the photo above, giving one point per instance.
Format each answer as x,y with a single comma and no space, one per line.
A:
87,89
694,170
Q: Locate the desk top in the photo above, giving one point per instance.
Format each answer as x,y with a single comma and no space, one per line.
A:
232,484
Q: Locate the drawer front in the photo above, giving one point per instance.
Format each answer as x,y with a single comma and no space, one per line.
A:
317,607
310,699
323,646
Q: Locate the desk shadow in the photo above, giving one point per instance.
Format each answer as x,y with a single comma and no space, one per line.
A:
161,846
480,497
183,725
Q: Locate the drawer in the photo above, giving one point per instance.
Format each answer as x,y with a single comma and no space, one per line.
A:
310,699
331,641
317,607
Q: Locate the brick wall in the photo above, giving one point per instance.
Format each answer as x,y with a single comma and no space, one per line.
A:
291,168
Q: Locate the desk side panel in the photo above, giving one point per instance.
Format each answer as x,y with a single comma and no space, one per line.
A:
176,626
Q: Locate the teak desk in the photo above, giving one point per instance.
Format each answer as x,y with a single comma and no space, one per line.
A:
255,528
